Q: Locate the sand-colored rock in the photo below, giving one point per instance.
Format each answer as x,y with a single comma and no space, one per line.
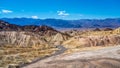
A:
117,31
59,38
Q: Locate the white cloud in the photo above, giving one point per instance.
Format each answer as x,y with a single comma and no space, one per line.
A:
63,13
35,17
6,11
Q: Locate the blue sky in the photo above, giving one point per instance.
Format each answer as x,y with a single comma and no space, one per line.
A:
60,9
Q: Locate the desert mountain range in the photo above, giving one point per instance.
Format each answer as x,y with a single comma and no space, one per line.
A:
59,23
22,44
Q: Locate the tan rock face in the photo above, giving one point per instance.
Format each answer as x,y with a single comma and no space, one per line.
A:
30,38
20,38
93,41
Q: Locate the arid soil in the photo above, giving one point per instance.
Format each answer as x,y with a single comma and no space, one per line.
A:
103,58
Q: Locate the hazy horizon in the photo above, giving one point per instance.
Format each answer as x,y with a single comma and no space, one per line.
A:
62,19
60,9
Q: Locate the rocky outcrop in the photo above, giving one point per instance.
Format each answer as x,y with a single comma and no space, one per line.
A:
59,38
45,30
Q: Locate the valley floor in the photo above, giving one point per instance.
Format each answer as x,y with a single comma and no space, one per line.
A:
108,57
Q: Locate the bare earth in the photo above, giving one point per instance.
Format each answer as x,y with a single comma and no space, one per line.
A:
103,58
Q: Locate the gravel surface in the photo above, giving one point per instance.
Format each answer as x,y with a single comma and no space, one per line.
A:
104,58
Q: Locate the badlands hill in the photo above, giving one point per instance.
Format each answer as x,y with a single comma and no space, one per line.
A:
93,37
11,34
95,49
23,44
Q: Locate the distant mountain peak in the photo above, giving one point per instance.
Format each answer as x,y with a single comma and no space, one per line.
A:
59,23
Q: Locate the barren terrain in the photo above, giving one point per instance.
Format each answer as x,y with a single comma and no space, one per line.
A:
33,46
103,58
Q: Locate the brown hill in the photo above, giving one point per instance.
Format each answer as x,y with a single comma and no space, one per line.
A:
5,26
29,35
107,29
